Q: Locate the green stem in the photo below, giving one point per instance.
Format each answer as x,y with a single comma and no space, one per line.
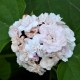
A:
50,75
53,69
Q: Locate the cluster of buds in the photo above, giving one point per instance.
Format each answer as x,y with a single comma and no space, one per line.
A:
40,42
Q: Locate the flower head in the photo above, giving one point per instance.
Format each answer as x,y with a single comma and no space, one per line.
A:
40,42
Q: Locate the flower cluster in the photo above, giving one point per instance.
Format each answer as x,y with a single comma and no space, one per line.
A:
40,42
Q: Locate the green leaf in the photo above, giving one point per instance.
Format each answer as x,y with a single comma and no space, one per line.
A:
68,9
70,70
10,57
7,50
4,35
4,69
53,74
10,11
14,65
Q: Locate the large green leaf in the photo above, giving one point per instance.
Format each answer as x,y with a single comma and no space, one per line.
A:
4,69
68,9
10,11
70,70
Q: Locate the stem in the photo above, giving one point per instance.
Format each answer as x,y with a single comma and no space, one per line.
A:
50,75
54,70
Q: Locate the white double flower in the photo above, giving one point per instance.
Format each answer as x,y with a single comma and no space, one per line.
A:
40,42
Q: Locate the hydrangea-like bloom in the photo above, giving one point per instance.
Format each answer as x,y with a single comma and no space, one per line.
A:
40,42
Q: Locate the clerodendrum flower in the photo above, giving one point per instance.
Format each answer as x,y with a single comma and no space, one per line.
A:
40,42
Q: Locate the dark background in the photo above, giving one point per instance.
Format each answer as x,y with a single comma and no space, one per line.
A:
22,74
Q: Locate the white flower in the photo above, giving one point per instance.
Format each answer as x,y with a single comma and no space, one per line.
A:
40,42
47,63
54,39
